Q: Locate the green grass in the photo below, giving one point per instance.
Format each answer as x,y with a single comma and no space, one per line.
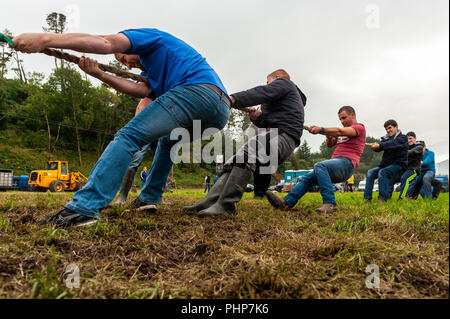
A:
259,253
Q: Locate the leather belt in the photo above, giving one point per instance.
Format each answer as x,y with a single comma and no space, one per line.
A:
220,93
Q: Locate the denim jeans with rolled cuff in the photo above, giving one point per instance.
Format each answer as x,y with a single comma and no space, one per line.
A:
176,108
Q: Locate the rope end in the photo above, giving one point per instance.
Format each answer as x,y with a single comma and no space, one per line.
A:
5,38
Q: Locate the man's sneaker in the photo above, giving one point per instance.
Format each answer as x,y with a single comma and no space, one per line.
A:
276,201
327,208
68,218
141,206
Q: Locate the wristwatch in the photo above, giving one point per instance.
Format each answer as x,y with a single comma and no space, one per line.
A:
322,131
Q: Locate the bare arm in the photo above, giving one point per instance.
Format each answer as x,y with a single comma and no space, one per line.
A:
333,131
140,89
81,42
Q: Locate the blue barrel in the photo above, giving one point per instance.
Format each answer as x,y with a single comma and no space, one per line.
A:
23,183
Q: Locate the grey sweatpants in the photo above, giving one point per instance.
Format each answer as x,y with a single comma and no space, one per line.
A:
264,151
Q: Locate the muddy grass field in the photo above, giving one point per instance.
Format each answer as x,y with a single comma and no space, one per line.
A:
259,253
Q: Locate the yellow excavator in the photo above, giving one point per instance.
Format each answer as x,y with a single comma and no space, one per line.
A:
57,178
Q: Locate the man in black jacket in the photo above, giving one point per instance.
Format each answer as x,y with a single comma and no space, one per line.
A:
280,123
393,163
415,154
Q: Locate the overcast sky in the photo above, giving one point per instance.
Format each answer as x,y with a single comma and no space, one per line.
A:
388,59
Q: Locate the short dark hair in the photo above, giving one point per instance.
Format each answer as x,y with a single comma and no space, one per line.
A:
411,134
390,122
347,109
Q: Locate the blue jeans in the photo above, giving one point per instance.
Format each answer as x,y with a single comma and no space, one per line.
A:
207,187
176,108
325,173
427,178
386,179
424,182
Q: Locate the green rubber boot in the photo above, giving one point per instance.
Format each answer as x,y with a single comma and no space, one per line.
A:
125,187
212,196
231,194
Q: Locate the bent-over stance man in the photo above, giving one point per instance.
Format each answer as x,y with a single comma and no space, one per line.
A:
282,111
185,86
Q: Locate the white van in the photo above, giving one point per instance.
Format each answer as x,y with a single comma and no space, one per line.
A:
362,185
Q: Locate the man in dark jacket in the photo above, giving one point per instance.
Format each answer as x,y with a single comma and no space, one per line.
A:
415,154
425,182
393,163
280,123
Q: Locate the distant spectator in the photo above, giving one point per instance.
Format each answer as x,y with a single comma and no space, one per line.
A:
168,183
215,179
207,182
393,163
348,185
143,176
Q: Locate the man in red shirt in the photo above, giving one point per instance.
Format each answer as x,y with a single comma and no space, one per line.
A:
350,141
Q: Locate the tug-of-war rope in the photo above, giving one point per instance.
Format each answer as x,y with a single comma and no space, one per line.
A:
74,59
106,68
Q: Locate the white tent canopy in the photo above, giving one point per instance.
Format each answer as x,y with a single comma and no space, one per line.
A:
442,168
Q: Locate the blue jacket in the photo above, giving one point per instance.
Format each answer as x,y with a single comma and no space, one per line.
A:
395,150
428,161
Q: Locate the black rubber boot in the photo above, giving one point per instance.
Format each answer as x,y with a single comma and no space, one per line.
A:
127,182
261,183
231,194
437,186
212,196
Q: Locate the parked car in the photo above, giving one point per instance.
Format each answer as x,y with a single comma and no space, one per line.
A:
249,188
278,187
362,186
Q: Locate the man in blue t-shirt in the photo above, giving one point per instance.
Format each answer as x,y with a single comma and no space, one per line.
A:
185,87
